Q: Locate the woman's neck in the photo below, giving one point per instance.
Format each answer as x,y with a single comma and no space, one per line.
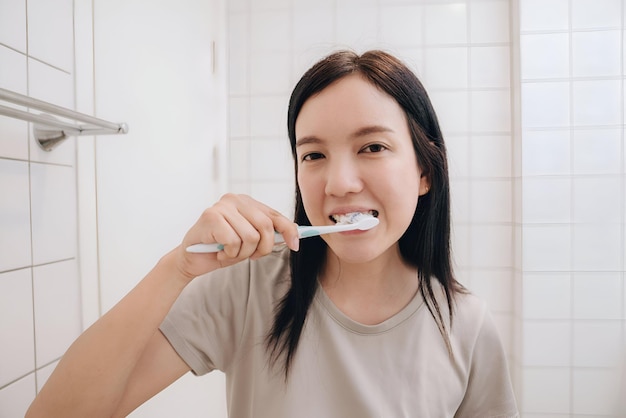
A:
372,292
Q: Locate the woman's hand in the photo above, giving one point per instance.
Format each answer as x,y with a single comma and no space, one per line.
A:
243,225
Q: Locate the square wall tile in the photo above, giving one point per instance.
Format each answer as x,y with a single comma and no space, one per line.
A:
17,351
239,117
546,344
544,15
445,23
494,287
596,14
597,151
452,110
460,238
491,201
268,116
270,73
597,344
14,215
356,25
402,25
597,199
489,21
238,6
546,248
313,25
544,56
57,309
594,392
597,54
446,68
546,153
490,66
13,73
491,246
458,149
596,103
596,247
53,200
51,32
269,4
14,142
490,111
490,156
238,54
546,296
270,31
546,200
597,295
460,200
239,161
13,70
546,390
17,397
545,105
13,24
271,160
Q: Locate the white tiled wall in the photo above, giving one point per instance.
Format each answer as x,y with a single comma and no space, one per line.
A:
571,320
39,283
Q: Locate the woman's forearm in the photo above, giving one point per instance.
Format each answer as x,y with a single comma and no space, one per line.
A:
91,377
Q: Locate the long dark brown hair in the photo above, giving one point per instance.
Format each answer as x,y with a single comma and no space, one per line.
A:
426,242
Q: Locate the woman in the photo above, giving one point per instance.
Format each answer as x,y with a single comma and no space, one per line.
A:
353,324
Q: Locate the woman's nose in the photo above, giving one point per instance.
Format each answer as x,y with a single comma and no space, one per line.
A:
343,177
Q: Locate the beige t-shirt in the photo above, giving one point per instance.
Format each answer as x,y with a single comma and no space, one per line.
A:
398,368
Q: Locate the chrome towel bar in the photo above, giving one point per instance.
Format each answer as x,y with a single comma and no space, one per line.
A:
50,131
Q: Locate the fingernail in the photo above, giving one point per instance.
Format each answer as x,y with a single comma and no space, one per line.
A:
295,244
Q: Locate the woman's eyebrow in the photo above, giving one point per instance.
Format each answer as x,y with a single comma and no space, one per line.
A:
373,129
364,131
308,140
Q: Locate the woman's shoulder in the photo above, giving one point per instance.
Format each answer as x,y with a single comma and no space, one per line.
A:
264,278
469,311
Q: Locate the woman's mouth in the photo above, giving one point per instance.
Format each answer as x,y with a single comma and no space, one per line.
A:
350,217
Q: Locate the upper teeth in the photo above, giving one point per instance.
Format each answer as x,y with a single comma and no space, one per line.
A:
351,217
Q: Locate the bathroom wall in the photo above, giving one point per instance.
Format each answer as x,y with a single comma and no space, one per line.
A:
40,300
570,282
80,225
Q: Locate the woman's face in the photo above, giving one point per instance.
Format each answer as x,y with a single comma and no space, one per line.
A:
355,154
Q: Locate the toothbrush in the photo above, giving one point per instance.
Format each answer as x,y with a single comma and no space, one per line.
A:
347,222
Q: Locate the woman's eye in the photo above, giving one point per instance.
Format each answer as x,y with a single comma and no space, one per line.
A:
374,148
312,156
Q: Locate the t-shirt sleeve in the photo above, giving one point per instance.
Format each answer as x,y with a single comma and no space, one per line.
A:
207,319
489,391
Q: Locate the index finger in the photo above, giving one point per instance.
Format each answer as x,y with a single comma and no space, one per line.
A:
287,228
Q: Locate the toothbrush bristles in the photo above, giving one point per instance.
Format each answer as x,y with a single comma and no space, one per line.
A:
353,217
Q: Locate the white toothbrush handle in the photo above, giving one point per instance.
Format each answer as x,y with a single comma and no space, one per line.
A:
215,247
303,232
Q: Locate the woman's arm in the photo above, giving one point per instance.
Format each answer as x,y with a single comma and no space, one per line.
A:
93,376
123,359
